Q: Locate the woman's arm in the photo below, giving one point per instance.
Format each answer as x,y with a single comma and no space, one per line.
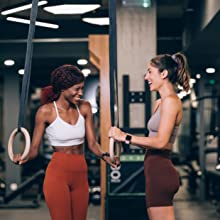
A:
37,135
90,134
38,132
169,111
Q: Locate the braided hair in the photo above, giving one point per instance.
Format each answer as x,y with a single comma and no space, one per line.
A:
62,78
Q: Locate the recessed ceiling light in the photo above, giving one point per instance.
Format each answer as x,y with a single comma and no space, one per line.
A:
146,4
182,94
180,87
21,8
38,23
86,72
198,76
94,110
82,62
135,3
97,21
21,71
192,81
9,62
210,70
71,8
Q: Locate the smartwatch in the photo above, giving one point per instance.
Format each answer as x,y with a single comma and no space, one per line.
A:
106,154
128,139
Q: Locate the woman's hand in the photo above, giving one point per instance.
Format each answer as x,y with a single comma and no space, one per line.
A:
114,163
117,161
116,134
17,159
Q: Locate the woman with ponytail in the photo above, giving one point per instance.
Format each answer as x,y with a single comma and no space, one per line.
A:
164,73
66,119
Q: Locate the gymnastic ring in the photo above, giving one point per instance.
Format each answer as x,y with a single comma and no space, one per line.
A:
114,148
11,141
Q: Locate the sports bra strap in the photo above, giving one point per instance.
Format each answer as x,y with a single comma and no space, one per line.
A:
78,109
55,105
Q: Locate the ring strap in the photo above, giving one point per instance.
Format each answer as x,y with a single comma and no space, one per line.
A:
27,66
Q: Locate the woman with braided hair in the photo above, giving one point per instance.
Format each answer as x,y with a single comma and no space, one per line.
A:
66,119
164,72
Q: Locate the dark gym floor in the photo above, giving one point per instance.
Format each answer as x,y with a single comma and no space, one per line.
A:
184,211
186,208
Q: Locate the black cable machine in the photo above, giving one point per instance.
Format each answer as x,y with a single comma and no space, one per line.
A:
125,184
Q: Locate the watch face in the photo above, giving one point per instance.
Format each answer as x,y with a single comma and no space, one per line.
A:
128,137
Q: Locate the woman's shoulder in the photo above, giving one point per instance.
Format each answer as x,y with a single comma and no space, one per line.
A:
46,109
84,106
172,100
84,103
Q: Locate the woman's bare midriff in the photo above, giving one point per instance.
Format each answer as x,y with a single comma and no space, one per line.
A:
78,149
168,147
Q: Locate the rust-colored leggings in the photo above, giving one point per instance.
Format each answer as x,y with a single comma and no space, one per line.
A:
162,179
66,188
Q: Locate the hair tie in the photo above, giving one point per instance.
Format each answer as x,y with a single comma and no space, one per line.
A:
174,57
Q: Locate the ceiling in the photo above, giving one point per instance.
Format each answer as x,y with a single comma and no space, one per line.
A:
53,47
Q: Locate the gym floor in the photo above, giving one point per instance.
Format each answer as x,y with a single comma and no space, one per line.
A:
186,208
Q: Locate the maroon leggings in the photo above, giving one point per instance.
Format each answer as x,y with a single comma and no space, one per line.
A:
162,179
66,187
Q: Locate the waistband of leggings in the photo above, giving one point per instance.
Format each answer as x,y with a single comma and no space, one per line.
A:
164,153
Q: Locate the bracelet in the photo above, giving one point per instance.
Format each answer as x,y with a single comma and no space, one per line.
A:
106,154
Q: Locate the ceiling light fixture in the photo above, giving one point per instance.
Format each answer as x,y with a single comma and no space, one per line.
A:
146,4
180,87
38,23
82,62
21,8
192,81
182,94
94,110
9,62
97,21
86,72
98,17
21,71
210,70
68,9
136,3
198,76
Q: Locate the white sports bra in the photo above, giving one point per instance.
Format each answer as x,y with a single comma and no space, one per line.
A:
61,133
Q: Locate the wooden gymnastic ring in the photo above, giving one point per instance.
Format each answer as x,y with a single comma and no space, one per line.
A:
112,149
11,141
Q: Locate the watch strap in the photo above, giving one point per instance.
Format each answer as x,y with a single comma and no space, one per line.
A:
105,154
